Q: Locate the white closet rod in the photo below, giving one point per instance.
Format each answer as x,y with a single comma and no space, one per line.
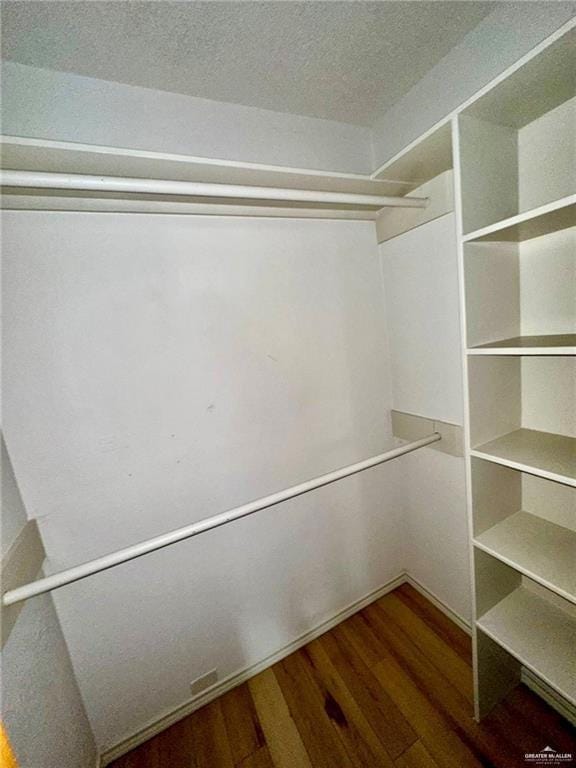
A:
57,580
85,183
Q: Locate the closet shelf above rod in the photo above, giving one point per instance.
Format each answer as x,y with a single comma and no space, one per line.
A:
78,572
120,185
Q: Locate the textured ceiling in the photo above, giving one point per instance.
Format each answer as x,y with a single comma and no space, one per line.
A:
347,61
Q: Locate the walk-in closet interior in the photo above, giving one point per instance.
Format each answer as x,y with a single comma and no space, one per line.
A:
289,384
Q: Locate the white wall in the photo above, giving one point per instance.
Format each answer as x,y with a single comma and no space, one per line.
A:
436,528
13,513
420,277
41,705
161,369
501,39
39,103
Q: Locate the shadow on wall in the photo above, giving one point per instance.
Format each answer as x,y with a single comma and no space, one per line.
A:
42,709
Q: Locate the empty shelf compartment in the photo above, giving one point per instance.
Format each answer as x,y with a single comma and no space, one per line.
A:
537,633
542,453
541,550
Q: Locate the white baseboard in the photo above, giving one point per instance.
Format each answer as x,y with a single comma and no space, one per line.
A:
168,719
562,706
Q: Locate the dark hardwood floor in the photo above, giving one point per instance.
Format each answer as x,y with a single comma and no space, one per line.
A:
390,687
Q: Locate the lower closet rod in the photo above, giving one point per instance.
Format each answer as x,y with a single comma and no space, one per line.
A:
78,572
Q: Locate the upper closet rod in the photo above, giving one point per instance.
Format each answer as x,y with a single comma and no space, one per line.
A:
85,183
57,580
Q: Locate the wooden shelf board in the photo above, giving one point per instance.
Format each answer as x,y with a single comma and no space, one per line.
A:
552,217
541,550
540,453
541,636
558,344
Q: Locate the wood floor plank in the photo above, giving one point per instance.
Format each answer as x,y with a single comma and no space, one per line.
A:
506,727
387,687
432,726
282,737
147,755
536,715
175,745
417,756
358,632
411,694
355,730
387,721
447,700
443,656
245,735
529,735
434,730
455,637
320,737
209,737
259,759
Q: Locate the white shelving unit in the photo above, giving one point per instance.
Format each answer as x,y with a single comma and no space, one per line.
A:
543,453
539,635
521,292
427,168
515,170
509,154
516,143
541,550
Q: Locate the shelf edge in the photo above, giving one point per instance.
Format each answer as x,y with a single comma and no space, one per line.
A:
520,218
519,351
522,660
531,470
530,574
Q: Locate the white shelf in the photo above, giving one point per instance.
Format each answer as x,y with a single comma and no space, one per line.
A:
558,344
24,154
65,176
552,217
540,453
537,87
423,159
541,636
539,549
